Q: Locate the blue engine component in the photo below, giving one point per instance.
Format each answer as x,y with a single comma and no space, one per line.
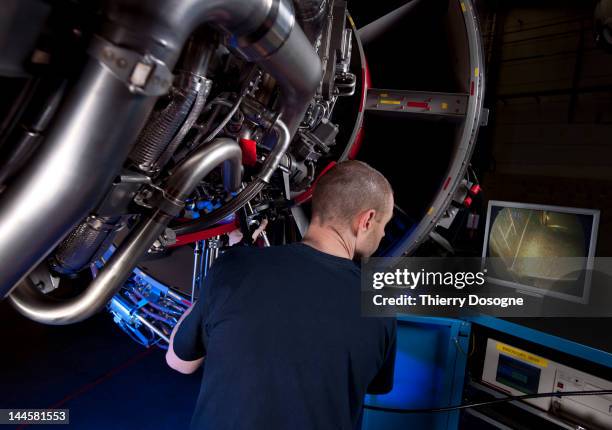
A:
144,308
194,208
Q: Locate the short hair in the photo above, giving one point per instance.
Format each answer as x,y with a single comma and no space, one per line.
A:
347,189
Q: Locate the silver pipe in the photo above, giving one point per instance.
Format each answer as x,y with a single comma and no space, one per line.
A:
212,253
101,118
264,236
250,191
264,31
85,147
196,278
151,327
297,69
38,307
175,296
311,14
276,155
115,272
191,171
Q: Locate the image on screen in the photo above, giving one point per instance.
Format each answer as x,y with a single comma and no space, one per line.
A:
546,249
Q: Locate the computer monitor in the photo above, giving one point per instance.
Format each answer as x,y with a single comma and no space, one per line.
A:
539,249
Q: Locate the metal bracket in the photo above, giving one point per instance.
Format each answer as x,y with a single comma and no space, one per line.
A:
142,73
484,117
165,202
43,280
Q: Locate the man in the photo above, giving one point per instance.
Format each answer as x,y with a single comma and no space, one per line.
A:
285,344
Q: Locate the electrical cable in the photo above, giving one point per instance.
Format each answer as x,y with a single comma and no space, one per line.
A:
488,402
223,122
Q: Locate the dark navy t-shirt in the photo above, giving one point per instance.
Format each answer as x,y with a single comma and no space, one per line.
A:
285,344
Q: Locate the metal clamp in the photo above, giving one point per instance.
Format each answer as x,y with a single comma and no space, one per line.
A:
166,203
142,73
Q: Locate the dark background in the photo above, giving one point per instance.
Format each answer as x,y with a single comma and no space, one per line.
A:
105,379
548,142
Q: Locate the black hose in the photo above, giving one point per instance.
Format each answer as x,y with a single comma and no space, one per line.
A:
488,402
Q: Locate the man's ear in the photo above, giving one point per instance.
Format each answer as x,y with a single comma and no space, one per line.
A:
363,221
366,219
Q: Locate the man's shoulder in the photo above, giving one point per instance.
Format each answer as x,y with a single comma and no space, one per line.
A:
236,253
243,256
291,256
245,251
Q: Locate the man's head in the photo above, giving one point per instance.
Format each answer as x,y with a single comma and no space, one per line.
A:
355,200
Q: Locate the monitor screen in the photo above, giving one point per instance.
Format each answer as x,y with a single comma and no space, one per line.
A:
540,249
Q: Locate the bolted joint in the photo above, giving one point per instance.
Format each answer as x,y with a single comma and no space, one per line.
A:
141,73
271,34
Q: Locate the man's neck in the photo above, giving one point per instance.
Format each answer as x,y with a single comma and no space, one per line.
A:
330,240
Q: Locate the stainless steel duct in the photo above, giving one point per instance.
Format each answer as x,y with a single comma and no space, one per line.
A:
86,145
105,110
38,307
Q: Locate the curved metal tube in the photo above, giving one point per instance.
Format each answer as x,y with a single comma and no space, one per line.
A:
191,171
100,119
250,191
86,146
298,76
264,31
188,174
275,156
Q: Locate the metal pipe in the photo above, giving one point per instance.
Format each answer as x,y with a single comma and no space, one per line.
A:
297,70
24,139
154,329
38,307
167,127
264,31
85,147
191,171
283,137
196,279
250,191
212,253
117,270
311,14
102,116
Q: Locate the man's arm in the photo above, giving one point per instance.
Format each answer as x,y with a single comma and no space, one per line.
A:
175,362
189,339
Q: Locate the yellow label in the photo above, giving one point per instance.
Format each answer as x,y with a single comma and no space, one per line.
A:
522,355
351,21
389,102
463,8
444,105
476,71
430,211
